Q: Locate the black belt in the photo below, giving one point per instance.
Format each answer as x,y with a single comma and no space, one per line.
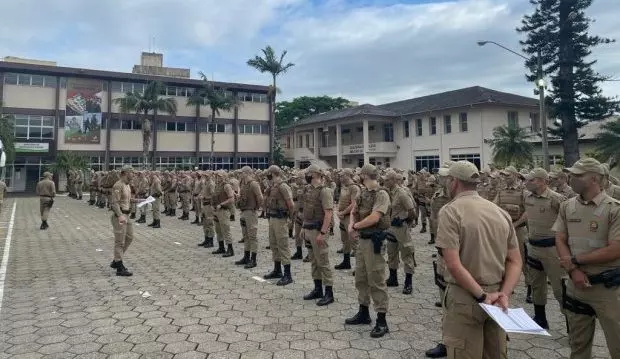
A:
206,203
543,243
125,212
277,215
312,226
521,225
47,196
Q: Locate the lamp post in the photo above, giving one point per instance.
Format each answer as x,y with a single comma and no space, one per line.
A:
540,84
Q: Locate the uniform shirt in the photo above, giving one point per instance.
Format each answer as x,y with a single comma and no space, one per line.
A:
208,189
589,226
155,188
46,188
566,190
401,202
542,211
439,200
481,232
279,194
348,194
121,197
613,191
250,196
197,186
510,199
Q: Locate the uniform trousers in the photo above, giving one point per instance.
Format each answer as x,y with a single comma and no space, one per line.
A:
208,223
222,225
370,276
349,245
249,230
45,205
156,207
278,240
321,270
123,236
297,231
522,235
197,205
405,246
548,258
185,201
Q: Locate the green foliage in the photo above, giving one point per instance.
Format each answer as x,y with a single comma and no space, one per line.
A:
66,160
560,30
608,142
288,112
7,135
278,155
511,146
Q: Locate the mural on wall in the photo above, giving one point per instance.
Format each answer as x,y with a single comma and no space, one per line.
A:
83,111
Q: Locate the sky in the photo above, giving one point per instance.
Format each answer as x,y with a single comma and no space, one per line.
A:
369,51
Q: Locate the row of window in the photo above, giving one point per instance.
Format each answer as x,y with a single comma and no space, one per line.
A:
431,163
31,127
179,126
184,162
388,136
30,80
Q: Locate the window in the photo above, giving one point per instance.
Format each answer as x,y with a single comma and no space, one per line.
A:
447,124
10,79
219,163
220,128
131,125
119,162
96,163
463,121
406,129
300,141
255,129
513,119
30,80
288,141
432,126
359,129
174,126
473,158
254,162
428,162
418,127
534,122
324,139
33,127
250,97
36,80
388,132
308,141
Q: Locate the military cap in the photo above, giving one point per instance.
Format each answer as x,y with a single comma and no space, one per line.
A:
47,174
537,173
465,171
443,171
314,169
393,175
369,170
274,170
586,165
246,169
509,170
126,168
448,163
347,172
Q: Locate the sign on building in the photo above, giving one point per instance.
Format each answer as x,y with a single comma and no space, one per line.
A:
83,111
32,147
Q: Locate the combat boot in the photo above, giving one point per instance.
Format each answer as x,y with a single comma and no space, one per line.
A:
208,242
408,288
290,232
423,228
298,254
197,220
317,292
91,202
142,219
328,298
362,317
220,249
346,262
203,243
540,316
392,281
157,224
245,259
229,252
80,198
172,213
132,216
252,262
381,327
44,225
439,351
286,278
276,273
432,241
121,270
184,216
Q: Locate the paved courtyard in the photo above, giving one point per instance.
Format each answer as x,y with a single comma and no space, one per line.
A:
62,300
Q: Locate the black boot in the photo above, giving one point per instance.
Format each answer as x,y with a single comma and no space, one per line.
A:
114,264
328,298
121,270
91,202
423,228
432,241
201,244
290,232
173,212
276,273
528,295
244,260
252,262
80,197
362,317
132,216
184,216
142,219
437,352
197,220
157,223
286,278
298,255
229,252
208,242
317,292
380,328
152,223
540,316
44,225
346,262
408,288
221,249
392,281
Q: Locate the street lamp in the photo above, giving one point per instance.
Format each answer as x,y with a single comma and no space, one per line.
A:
540,84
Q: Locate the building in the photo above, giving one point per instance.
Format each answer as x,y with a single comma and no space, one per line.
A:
70,109
417,133
152,63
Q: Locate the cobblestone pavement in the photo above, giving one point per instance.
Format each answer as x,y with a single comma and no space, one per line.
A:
62,300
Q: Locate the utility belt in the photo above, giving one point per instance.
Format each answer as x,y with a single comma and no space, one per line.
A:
123,212
440,281
299,221
312,225
377,237
574,305
47,197
543,243
277,213
397,222
609,278
247,209
534,263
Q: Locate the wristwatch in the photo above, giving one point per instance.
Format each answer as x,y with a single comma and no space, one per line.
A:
323,233
573,260
481,298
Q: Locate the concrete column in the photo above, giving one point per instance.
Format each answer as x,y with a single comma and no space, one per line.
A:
366,157
338,146
315,142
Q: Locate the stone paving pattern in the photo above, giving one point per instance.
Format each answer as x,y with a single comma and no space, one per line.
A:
62,300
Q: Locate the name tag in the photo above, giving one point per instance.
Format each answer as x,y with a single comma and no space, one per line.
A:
574,220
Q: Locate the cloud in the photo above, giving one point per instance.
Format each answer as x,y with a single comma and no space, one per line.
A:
369,51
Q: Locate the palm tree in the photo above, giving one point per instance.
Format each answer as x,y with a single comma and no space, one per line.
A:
511,146
216,99
608,141
142,104
275,66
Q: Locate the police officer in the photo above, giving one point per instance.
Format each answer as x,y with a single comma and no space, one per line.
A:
369,220
483,264
171,195
196,189
223,199
588,244
208,224
298,195
157,192
349,191
142,190
46,190
250,200
122,225
423,194
610,188
93,187
317,215
558,182
541,208
185,188
403,211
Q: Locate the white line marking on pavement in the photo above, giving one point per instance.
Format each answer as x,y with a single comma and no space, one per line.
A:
259,279
5,255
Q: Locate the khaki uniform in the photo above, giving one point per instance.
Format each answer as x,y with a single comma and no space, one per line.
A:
93,188
171,195
71,182
196,189
370,266
2,192
483,241
223,192
613,191
440,199
424,194
298,194
79,181
318,199
46,190
249,203
348,194
590,226
142,192
208,223
278,215
123,233
185,188
401,204
511,200
156,191
542,257
566,191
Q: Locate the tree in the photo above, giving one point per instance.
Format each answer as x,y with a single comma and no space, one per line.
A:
217,100
511,146
608,141
143,104
275,66
67,160
559,29
288,112
7,135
